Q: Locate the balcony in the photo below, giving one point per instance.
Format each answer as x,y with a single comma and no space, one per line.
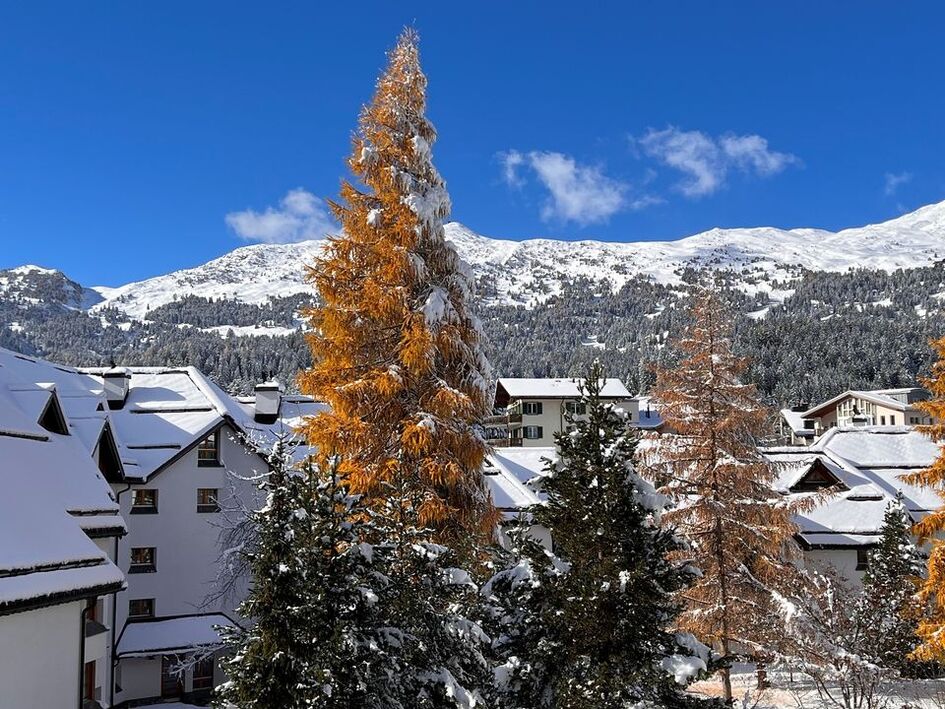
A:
502,419
504,442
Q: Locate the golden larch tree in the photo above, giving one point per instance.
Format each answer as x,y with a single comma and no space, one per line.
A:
396,347
726,507
931,630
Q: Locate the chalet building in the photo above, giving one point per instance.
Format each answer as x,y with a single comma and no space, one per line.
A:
801,425
855,472
59,530
529,412
171,454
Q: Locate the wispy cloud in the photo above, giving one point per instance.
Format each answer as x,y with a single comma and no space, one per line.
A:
894,180
706,161
300,216
576,193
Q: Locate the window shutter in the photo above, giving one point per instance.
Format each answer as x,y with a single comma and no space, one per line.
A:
538,408
541,433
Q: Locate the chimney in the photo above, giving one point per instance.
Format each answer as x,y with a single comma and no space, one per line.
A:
116,382
632,407
268,401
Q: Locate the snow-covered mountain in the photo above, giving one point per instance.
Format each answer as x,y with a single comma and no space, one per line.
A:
526,272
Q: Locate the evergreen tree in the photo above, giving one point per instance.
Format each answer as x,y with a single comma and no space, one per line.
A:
889,586
931,594
708,461
428,627
271,667
586,626
397,351
312,636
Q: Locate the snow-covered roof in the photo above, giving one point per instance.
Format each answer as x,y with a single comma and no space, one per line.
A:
54,498
166,635
45,556
796,420
513,476
882,397
558,388
869,464
168,410
292,412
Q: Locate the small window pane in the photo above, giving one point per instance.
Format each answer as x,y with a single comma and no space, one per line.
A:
144,501
141,608
208,450
142,560
207,499
203,674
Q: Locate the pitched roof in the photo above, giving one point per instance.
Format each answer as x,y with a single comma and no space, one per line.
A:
870,463
177,634
882,397
558,388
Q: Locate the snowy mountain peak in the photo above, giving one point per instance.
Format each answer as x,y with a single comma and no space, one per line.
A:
531,271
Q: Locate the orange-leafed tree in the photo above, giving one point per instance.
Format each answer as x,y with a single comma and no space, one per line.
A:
931,630
708,461
396,347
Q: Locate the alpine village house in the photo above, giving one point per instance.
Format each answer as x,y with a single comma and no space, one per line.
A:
122,483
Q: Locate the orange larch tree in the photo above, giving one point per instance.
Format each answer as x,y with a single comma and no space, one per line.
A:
396,347
931,629
709,462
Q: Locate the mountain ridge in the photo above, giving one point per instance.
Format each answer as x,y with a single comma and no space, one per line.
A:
530,271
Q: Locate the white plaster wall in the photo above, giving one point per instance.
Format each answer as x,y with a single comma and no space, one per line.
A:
842,560
39,657
140,678
187,542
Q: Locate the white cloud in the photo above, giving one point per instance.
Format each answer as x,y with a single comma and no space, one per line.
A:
511,162
706,161
576,193
894,180
300,216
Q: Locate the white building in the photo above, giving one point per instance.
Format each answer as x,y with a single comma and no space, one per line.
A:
529,412
59,525
860,470
172,453
801,425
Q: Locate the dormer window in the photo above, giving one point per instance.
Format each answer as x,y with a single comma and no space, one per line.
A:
208,451
817,477
52,418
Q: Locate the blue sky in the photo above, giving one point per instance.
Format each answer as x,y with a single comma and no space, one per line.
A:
128,132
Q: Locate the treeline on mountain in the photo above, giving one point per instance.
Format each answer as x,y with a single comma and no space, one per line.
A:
860,329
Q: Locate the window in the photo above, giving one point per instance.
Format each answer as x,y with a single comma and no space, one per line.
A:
531,408
141,608
862,559
208,450
577,408
207,499
203,674
882,420
892,419
144,502
143,560
532,432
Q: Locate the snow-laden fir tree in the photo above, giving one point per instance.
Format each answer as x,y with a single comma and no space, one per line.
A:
931,629
428,631
889,585
708,462
588,626
310,629
396,348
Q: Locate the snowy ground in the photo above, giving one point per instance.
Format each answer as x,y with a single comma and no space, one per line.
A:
798,692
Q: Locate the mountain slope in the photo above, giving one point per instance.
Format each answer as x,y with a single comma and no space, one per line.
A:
528,272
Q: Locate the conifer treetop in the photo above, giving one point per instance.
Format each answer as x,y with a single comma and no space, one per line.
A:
397,348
